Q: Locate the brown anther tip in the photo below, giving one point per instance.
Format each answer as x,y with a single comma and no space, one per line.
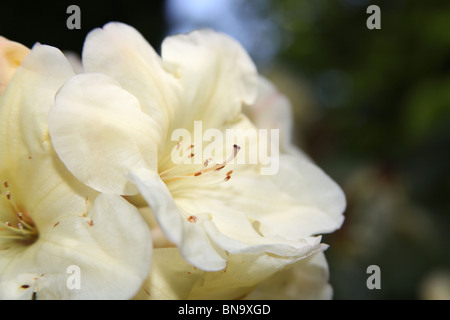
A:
191,155
5,183
236,147
197,174
220,168
19,215
90,223
227,178
229,172
8,224
192,219
8,195
54,225
25,286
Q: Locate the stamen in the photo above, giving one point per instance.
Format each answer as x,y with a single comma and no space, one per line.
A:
23,228
175,174
192,219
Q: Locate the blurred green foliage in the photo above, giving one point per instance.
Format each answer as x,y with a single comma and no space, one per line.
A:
380,126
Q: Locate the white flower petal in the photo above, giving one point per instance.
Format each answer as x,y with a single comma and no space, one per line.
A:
23,115
243,243
100,133
216,74
243,272
111,247
232,231
299,201
173,278
190,238
271,110
304,280
119,51
27,160
11,56
74,60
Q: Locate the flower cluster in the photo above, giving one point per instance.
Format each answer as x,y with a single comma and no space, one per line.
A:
88,175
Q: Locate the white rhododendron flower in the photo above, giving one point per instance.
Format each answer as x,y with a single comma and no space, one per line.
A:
113,127
249,276
59,239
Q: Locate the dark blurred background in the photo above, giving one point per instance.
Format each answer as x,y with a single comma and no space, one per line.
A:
372,108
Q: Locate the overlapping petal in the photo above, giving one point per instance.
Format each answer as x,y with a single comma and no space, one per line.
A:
68,224
11,56
100,132
97,245
303,280
119,51
193,241
247,276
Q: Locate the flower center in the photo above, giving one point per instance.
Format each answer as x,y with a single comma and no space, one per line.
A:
179,176
16,226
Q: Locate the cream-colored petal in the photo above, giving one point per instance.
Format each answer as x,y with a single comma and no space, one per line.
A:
216,74
75,61
232,231
170,278
243,272
11,56
190,238
109,248
309,202
100,133
271,110
25,104
173,278
28,166
304,280
121,52
297,202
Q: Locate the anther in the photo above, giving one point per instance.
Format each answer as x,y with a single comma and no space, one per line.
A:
192,219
